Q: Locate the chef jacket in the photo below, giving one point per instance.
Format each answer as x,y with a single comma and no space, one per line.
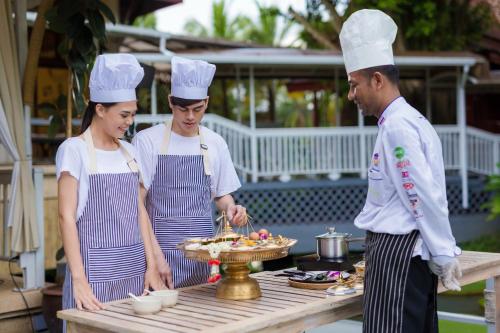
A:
406,183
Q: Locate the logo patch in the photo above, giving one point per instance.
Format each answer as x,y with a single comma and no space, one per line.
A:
375,160
405,174
399,152
402,164
408,186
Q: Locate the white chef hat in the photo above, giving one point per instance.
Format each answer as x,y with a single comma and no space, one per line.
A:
366,39
114,78
191,78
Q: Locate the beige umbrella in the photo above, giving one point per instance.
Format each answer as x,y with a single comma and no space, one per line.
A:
12,136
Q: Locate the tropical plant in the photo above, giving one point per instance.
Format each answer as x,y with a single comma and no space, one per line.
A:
82,25
493,186
56,113
268,30
423,25
222,26
145,21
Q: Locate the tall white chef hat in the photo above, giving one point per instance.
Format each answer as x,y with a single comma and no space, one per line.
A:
366,39
114,78
191,78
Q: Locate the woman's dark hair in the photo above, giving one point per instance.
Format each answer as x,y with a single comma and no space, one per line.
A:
89,113
183,102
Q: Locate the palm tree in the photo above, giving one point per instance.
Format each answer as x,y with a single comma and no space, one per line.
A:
268,29
271,28
221,26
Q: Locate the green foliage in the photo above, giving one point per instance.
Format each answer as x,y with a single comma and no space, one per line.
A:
433,25
493,205
145,21
222,26
82,25
488,243
266,30
451,25
56,113
446,326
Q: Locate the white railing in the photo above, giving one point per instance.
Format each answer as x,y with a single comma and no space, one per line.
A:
483,151
312,151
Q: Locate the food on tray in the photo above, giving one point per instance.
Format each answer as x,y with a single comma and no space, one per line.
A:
236,240
254,236
360,268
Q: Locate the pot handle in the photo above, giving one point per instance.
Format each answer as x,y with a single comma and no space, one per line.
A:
356,239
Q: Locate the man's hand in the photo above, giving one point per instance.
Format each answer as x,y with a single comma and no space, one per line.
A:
237,214
448,270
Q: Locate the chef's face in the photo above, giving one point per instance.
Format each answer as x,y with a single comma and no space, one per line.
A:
363,93
186,119
116,119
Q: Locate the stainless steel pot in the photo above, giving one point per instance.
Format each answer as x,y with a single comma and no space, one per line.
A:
333,245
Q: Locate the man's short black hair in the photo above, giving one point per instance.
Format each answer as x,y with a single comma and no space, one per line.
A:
391,72
183,102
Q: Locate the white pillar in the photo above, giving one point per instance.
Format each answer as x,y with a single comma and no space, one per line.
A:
253,127
238,93
33,263
154,98
462,125
428,104
362,146
337,98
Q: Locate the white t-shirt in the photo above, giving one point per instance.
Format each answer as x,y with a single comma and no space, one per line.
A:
72,156
224,179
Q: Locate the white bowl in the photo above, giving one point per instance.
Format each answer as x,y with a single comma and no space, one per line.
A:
147,305
167,296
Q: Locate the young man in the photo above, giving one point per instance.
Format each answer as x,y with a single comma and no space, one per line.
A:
409,240
186,166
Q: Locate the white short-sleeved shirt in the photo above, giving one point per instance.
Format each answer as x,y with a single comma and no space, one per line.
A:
224,179
72,156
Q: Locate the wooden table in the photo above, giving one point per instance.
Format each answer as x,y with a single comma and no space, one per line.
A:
280,309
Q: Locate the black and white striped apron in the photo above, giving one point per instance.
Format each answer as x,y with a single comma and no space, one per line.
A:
387,264
180,206
111,246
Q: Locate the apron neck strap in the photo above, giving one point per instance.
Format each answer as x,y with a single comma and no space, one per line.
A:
203,146
131,162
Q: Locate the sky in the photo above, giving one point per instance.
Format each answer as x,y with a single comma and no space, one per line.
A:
173,18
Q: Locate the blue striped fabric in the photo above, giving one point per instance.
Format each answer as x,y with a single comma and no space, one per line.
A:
179,205
108,264
110,241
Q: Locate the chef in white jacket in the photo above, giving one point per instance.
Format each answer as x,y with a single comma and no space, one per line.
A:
409,240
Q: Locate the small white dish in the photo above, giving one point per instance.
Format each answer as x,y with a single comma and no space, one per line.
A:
167,296
146,305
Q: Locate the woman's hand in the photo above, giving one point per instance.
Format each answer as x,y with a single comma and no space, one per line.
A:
237,214
165,271
152,280
84,297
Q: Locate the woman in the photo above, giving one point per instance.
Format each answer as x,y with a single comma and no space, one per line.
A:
103,220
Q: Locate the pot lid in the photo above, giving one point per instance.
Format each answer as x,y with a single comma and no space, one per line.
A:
333,234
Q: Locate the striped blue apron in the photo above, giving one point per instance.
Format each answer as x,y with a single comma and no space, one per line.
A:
110,241
180,206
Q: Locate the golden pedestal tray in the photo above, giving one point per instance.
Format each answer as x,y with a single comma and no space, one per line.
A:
237,284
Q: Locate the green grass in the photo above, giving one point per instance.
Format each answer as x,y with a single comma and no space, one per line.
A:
446,326
487,243
475,288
